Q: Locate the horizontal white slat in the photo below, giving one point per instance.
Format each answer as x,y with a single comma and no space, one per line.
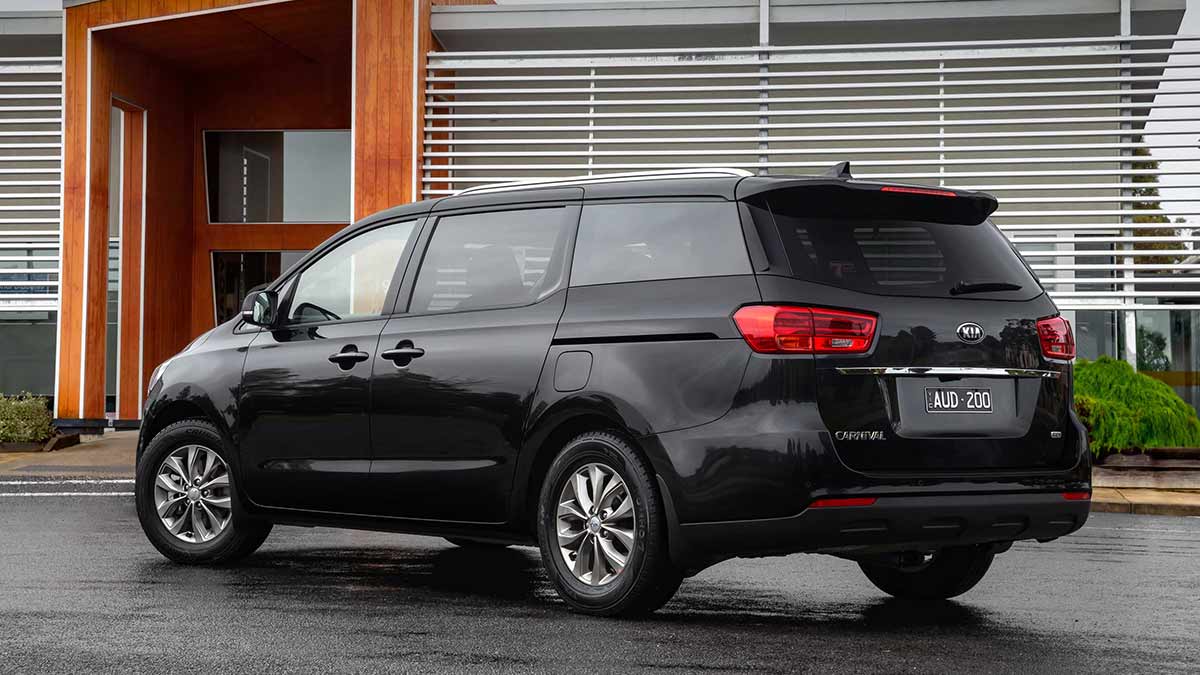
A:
840,47
833,123
779,138
549,60
776,73
788,100
724,152
941,83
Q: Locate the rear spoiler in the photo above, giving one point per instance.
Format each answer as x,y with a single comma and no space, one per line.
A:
837,193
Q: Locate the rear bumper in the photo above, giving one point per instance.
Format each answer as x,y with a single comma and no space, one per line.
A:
892,523
742,487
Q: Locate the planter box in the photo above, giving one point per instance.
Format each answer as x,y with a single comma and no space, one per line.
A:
21,447
57,442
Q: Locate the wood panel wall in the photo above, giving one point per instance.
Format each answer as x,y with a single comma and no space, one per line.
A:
178,105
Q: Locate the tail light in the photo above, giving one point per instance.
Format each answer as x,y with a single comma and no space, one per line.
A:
1058,342
1082,495
782,329
835,502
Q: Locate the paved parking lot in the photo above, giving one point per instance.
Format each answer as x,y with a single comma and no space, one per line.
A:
83,590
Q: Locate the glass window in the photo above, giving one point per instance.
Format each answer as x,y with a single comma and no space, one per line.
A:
894,256
352,280
27,353
116,210
663,240
278,176
235,273
494,259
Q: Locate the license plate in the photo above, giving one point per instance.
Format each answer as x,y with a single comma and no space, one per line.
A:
958,400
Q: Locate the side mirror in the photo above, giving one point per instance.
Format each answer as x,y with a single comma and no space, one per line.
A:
259,308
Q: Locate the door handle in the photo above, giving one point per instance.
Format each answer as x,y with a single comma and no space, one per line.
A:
403,354
348,357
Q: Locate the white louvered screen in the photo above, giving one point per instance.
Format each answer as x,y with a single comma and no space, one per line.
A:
1054,128
30,166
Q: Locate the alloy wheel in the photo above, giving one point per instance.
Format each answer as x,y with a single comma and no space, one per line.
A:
596,524
191,494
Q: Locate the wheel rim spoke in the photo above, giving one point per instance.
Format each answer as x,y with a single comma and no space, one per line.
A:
219,481
616,560
192,494
596,524
623,536
166,505
582,497
624,510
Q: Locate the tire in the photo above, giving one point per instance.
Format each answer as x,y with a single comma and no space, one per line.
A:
952,572
238,538
647,580
472,543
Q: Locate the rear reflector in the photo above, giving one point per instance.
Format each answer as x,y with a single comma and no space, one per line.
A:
1077,496
917,191
781,329
1058,342
842,501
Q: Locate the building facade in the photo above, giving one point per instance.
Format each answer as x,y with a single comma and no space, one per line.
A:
157,160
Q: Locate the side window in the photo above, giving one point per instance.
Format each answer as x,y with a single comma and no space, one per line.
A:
350,281
658,240
493,259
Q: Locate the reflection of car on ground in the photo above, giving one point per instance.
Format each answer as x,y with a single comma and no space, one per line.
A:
645,375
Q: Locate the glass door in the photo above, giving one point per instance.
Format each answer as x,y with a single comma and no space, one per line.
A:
236,273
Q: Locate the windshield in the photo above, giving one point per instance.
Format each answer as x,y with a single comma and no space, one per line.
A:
893,256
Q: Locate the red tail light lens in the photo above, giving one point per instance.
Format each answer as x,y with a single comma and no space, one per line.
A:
1058,342
1077,496
841,501
781,329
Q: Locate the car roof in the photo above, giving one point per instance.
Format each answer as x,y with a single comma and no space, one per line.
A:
728,184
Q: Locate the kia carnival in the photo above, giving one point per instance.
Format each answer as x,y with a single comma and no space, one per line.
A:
643,375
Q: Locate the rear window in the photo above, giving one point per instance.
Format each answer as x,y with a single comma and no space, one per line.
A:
893,256
658,240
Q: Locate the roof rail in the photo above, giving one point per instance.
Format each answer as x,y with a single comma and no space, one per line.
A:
607,178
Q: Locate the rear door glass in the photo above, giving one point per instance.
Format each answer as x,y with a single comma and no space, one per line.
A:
898,257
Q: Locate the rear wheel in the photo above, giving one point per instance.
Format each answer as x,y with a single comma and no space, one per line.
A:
949,572
602,529
185,492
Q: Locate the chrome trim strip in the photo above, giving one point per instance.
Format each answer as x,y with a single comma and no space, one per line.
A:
917,371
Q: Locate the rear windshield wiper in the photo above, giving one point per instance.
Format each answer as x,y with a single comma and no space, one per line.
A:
964,287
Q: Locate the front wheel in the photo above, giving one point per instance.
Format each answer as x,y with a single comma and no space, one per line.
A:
185,493
947,573
602,529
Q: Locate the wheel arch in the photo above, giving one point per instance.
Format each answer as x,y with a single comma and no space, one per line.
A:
550,432
168,410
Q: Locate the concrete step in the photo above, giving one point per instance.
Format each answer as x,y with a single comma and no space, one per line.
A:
1159,478
1145,502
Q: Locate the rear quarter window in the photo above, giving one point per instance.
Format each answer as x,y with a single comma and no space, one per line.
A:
658,240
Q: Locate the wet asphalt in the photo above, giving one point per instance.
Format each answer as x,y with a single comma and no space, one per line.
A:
82,590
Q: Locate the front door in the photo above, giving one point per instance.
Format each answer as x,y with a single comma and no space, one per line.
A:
454,375
305,400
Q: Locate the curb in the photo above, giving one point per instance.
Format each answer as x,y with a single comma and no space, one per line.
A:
1138,502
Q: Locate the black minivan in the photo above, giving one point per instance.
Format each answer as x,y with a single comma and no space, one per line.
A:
643,374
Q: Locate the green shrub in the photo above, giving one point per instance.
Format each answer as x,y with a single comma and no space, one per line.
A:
24,419
1124,409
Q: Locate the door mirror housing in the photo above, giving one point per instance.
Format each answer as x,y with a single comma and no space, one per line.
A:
260,307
